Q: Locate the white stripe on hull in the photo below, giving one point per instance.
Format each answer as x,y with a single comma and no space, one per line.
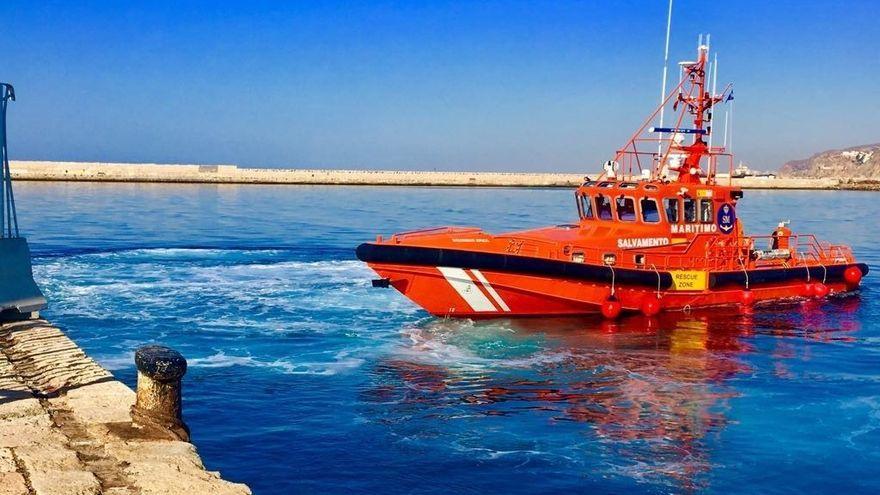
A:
491,290
467,289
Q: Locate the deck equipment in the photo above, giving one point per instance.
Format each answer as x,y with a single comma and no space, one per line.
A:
19,294
657,231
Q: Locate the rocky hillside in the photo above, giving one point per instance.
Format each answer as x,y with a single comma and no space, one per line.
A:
858,162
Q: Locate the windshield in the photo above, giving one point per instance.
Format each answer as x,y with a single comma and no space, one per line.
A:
626,209
671,209
586,206
650,212
603,207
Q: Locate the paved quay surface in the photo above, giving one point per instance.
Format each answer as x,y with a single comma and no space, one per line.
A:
231,174
65,427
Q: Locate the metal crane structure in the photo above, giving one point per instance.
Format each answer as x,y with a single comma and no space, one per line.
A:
19,294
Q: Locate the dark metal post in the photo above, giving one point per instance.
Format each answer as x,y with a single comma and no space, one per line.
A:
9,219
6,94
158,405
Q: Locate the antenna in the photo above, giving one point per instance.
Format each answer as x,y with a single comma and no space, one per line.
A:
680,77
725,129
731,127
663,85
712,99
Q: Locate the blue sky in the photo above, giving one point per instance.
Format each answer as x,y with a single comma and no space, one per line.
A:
468,85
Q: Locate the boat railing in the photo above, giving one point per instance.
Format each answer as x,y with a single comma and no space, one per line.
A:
719,253
434,231
633,160
705,252
802,249
530,246
714,154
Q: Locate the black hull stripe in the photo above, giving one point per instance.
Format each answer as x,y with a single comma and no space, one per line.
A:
834,273
425,256
409,255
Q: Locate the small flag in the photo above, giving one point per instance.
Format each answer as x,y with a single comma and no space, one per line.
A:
729,97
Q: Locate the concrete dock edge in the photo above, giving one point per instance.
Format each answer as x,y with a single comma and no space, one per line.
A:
66,428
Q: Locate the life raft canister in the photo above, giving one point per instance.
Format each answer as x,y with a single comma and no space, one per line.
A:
781,237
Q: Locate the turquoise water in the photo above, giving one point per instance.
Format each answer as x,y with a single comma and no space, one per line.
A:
303,379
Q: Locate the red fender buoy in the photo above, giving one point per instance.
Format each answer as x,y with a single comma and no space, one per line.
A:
852,276
650,305
820,290
809,290
611,309
747,297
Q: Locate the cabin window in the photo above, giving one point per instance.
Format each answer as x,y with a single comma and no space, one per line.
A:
603,207
690,210
626,209
706,214
671,206
650,212
586,206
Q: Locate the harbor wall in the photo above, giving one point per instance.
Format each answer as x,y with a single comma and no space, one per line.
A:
66,427
151,172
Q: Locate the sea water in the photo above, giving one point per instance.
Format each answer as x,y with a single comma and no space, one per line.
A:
305,379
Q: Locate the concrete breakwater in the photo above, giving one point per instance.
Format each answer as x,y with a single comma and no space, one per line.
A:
66,427
231,174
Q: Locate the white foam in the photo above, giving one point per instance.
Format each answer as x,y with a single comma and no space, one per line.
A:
342,363
117,362
81,285
430,344
214,298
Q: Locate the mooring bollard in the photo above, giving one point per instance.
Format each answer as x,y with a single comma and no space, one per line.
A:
158,404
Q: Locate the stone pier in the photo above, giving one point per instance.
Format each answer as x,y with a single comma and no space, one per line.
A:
66,427
231,174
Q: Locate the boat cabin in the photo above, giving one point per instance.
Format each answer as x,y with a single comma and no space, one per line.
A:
643,222
659,206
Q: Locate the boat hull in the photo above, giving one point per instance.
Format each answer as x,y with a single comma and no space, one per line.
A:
491,285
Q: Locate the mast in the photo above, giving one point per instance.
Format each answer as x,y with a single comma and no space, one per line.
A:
663,85
680,161
697,104
714,87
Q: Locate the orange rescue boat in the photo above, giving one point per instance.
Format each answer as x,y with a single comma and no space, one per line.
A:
656,232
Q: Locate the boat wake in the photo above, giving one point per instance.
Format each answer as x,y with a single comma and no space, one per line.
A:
269,309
